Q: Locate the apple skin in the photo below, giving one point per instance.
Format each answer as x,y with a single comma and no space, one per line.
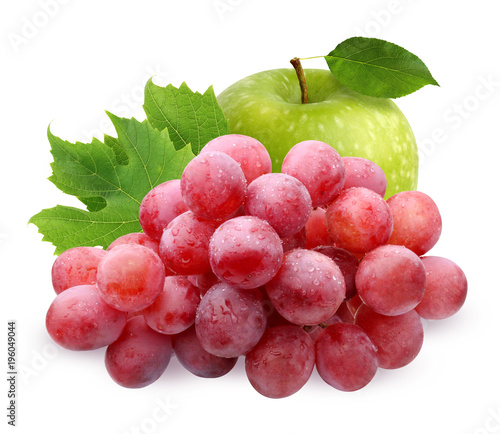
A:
267,106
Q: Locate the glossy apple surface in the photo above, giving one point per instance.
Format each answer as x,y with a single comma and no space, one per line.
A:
267,106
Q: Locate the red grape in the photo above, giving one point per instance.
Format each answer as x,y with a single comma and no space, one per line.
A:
245,252
359,220
130,277
135,238
184,244
213,185
281,200
417,221
282,362
79,319
446,288
249,153
230,321
308,288
174,310
391,280
76,266
345,357
196,359
398,338
324,173
139,356
348,264
205,281
160,206
316,230
295,241
360,172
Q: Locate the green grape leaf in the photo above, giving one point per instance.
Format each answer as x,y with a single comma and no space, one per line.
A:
378,68
189,117
111,179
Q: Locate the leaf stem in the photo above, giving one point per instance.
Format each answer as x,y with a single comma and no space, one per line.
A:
310,58
302,79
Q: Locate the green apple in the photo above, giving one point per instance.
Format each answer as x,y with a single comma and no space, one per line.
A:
267,106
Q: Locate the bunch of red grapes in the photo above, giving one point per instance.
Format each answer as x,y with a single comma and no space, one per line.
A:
306,268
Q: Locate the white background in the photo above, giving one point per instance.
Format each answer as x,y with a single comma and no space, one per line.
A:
66,64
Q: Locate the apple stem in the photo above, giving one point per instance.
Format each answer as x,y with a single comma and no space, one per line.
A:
302,79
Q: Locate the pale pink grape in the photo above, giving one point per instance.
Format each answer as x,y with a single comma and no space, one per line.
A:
360,172
391,280
174,310
76,266
282,361
445,291
319,167
79,319
160,206
417,221
230,321
280,199
345,357
308,288
359,220
196,359
245,252
249,153
130,277
139,356
398,338
213,185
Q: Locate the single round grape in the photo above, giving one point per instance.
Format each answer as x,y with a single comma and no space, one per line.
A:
280,199
196,359
295,241
316,230
136,238
445,291
130,277
184,244
324,171
348,264
359,220
417,221
213,185
76,266
282,362
249,153
160,206
139,356
345,357
245,252
308,288
391,280
360,172
79,319
398,338
230,321
174,310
